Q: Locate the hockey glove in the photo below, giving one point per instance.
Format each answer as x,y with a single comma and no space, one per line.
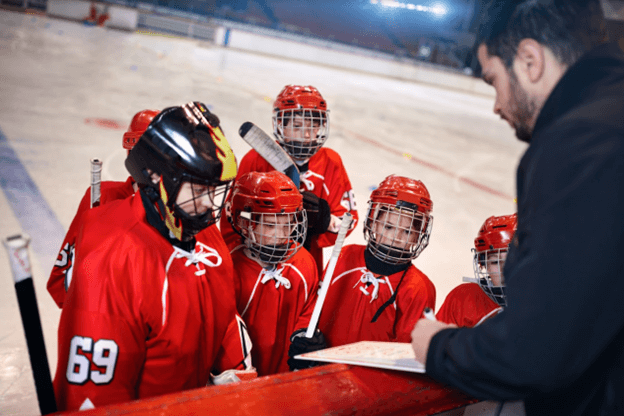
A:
299,344
318,212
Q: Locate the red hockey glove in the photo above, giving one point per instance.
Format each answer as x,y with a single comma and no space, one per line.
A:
299,344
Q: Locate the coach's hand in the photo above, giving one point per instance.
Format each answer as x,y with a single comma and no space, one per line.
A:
424,330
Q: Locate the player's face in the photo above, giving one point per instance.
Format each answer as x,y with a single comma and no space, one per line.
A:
512,103
301,128
395,229
195,199
495,264
274,229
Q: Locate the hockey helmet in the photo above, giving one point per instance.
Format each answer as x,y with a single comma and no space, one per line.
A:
266,209
183,144
137,127
490,253
300,121
398,223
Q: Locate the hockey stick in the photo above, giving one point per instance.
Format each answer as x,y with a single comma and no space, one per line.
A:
329,274
17,248
96,181
270,150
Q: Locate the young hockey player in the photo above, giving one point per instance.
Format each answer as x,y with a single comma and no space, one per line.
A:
376,293
61,274
276,281
301,126
470,304
148,312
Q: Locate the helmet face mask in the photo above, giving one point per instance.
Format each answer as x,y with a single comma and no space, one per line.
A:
301,132
399,221
267,211
396,235
300,121
273,237
488,269
490,254
198,205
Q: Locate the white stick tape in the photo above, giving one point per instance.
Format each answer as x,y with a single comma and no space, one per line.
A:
17,249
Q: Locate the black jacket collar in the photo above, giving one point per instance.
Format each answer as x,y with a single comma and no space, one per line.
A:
592,74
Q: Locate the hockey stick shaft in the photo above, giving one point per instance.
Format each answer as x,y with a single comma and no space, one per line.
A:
270,150
17,248
329,273
96,182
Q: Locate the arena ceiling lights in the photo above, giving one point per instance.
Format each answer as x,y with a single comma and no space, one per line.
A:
437,9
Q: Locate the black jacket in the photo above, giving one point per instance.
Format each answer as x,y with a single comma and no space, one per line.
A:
559,345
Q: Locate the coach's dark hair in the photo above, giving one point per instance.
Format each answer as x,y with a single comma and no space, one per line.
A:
569,28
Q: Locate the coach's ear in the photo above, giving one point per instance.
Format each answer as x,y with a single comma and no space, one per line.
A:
530,62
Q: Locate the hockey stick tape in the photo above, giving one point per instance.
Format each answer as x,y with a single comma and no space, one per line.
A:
17,248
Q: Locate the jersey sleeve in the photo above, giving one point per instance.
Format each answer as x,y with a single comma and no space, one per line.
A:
62,270
420,294
341,198
465,306
235,351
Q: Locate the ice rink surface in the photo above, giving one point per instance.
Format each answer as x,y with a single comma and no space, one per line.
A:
68,92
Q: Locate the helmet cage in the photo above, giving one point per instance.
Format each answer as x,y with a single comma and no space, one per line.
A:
200,221
261,233
488,266
303,140
397,251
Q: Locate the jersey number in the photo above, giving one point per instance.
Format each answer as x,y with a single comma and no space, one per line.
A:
104,356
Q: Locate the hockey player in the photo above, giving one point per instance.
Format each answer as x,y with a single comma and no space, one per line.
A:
61,274
301,126
376,293
147,312
276,281
470,304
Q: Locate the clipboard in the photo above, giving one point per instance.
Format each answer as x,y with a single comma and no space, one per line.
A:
389,355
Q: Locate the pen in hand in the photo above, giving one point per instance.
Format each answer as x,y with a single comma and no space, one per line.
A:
428,313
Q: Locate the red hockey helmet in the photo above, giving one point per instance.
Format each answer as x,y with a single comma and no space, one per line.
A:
398,223
300,121
137,127
490,253
266,209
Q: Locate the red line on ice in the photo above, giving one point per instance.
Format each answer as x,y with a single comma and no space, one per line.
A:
430,165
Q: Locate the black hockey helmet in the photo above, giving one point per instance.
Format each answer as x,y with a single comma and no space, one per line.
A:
181,144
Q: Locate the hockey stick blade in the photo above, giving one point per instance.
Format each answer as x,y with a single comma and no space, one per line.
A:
270,150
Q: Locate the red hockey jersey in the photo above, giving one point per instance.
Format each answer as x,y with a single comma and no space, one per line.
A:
274,304
142,317
355,295
61,274
466,305
326,177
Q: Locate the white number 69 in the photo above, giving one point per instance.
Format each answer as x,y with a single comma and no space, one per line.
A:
105,353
